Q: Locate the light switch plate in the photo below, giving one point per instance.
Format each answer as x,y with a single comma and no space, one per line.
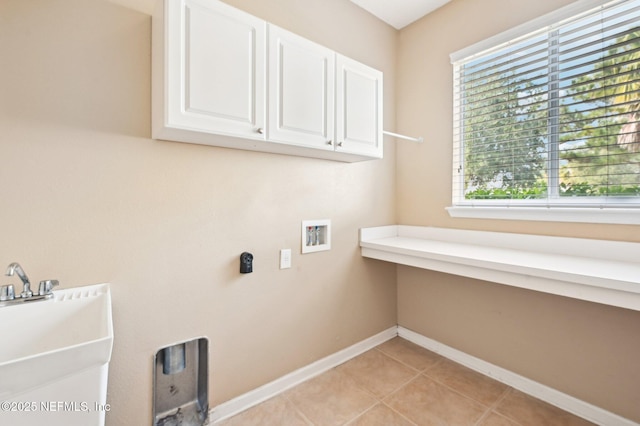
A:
285,258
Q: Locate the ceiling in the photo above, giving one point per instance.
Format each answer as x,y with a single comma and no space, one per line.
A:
397,13
400,13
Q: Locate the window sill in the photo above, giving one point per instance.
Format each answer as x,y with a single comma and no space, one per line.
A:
539,263
619,216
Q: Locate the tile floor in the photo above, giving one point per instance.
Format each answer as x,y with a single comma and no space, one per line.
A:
400,383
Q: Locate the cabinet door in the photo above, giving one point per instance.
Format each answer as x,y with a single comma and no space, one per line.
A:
216,68
301,91
358,108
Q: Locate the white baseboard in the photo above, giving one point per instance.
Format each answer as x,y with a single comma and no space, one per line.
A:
269,390
561,400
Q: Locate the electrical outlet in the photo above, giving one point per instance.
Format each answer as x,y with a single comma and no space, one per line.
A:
285,258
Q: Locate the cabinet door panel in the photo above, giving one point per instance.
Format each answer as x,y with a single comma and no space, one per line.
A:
359,108
219,75
301,90
221,68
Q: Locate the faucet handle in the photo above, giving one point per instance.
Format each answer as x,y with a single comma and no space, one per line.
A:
46,287
7,292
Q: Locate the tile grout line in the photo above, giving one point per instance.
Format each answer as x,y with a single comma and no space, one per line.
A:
361,414
490,407
380,400
295,407
399,413
457,392
358,384
495,405
441,359
419,372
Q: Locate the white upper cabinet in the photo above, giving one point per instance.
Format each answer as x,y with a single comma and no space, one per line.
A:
214,70
358,108
225,78
301,91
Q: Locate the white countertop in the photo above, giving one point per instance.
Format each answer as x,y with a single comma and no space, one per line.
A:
599,271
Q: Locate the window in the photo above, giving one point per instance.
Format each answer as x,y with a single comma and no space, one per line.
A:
548,114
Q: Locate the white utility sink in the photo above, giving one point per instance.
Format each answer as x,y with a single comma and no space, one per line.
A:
45,344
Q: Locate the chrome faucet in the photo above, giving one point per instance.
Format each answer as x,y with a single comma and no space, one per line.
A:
7,293
17,269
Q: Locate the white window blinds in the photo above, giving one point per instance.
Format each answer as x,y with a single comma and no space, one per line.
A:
552,117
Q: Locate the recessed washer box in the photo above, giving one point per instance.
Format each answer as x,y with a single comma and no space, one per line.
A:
316,235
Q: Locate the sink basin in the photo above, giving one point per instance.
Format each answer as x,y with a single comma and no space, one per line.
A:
51,341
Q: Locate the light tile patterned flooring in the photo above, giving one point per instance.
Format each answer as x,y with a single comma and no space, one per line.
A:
399,384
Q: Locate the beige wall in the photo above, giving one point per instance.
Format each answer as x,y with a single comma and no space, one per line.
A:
584,349
88,197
